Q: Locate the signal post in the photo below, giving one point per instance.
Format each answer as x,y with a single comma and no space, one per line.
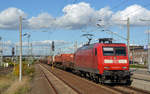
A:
53,49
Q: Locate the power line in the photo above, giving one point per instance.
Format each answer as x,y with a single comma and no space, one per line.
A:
119,4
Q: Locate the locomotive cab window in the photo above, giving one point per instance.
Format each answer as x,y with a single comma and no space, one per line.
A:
108,51
114,51
120,51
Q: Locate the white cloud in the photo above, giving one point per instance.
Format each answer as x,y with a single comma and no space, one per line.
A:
41,43
81,15
7,43
135,13
9,18
45,43
76,16
43,20
104,15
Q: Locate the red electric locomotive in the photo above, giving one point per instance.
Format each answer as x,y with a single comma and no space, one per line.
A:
105,62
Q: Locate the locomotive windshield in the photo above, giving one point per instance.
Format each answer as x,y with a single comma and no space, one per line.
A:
108,51
120,51
114,51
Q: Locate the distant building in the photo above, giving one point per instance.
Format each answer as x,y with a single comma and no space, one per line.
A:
138,54
146,47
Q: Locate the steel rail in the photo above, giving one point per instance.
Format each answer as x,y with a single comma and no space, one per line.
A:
78,92
50,83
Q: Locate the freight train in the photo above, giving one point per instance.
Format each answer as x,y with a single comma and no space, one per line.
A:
103,62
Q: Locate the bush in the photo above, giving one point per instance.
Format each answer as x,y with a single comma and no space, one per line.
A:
23,90
29,71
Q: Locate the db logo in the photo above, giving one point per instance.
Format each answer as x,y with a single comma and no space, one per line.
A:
115,58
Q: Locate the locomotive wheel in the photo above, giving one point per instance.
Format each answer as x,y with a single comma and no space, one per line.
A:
84,75
64,68
81,74
100,80
88,75
91,78
96,79
128,82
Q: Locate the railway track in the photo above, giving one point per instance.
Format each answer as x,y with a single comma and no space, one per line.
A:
58,85
128,90
138,90
50,83
110,89
5,70
141,79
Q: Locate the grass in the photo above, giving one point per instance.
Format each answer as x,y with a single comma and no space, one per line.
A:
5,82
137,66
9,83
30,71
18,87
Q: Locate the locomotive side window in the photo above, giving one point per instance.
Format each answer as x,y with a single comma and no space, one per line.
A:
120,51
95,52
108,51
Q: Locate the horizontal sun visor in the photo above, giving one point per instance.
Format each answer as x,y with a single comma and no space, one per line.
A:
108,49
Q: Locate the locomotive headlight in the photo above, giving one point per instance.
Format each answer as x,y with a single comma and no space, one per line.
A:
108,61
124,67
122,61
106,67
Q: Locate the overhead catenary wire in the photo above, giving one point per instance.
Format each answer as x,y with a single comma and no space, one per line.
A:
119,4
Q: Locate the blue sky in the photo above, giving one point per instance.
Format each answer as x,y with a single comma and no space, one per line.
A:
64,10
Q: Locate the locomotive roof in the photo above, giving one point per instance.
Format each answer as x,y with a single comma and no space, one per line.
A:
92,45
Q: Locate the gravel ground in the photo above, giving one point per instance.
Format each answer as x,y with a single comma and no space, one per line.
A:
142,80
145,85
39,84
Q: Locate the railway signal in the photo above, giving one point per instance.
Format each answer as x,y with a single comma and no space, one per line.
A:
13,51
53,46
53,49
